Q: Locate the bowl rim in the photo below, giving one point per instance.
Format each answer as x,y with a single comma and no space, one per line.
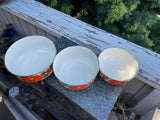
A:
126,51
72,47
35,74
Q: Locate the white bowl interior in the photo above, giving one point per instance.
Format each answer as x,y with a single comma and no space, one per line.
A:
76,65
30,55
118,64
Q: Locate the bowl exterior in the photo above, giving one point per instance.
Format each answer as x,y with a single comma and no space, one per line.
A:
110,81
79,87
72,53
37,77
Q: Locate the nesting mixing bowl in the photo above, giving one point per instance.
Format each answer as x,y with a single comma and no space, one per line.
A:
76,67
30,58
117,65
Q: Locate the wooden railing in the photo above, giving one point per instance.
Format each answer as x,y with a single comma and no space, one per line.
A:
33,18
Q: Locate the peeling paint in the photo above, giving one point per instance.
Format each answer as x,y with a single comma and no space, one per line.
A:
84,34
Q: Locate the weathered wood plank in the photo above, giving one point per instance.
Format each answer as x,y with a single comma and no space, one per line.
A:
3,18
149,102
51,37
41,32
133,86
138,89
23,27
16,24
8,17
153,114
83,34
143,92
59,24
2,25
32,29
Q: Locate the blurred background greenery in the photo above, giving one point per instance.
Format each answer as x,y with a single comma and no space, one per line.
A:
133,20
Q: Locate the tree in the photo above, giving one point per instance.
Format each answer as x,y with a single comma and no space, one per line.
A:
155,36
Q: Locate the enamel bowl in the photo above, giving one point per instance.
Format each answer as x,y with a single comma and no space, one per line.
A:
30,58
118,66
76,67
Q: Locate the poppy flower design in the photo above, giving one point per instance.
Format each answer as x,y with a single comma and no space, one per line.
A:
31,78
116,82
48,71
38,77
78,87
103,76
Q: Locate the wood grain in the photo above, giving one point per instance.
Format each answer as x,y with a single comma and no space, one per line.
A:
60,24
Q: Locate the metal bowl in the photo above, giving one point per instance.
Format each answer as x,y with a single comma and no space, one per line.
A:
30,58
76,67
118,66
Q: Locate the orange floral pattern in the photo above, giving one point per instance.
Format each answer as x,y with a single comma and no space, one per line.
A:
104,76
80,87
31,78
113,82
37,77
48,71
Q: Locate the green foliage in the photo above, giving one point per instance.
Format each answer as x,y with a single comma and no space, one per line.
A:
67,8
135,27
116,12
155,36
81,14
134,20
54,3
110,12
63,5
150,5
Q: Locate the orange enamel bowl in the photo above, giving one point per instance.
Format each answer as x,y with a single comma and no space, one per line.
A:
76,67
30,58
118,66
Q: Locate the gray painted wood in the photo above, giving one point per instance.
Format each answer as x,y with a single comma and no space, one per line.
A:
5,113
32,29
143,92
41,32
138,89
2,26
33,18
8,17
51,37
148,82
149,102
133,86
3,18
60,24
23,27
150,114
16,24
